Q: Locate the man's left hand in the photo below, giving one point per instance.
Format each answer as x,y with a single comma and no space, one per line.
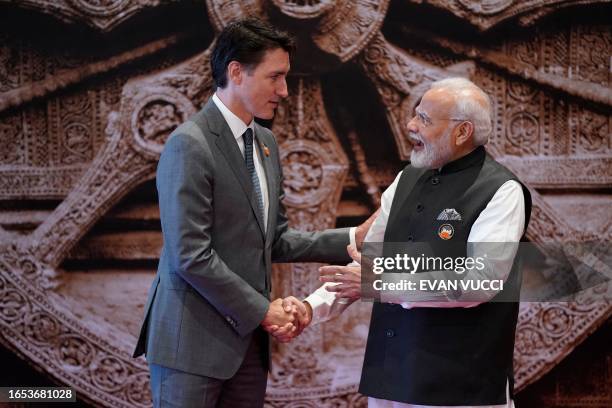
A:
348,278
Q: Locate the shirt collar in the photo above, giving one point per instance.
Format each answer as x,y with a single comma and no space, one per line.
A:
236,125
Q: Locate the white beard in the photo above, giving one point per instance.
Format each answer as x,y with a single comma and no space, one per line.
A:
433,155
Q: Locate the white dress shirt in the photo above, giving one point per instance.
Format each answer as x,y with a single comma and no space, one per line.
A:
238,127
502,220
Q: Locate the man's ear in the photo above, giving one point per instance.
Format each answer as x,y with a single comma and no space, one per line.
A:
465,131
234,72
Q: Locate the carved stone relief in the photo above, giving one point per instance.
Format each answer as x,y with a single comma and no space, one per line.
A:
91,147
488,13
103,15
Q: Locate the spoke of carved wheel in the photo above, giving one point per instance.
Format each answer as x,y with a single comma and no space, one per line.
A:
401,80
151,108
314,167
114,172
574,87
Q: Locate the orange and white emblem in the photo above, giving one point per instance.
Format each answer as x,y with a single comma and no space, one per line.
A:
446,231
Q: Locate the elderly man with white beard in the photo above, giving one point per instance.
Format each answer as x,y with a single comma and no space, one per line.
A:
444,349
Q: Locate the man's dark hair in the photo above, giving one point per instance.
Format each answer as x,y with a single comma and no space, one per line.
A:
246,41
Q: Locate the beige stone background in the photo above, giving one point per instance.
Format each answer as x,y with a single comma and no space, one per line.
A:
90,89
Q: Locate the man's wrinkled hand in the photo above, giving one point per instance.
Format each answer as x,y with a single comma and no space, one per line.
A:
347,279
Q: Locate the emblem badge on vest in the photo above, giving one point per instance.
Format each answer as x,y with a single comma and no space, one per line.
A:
446,231
449,214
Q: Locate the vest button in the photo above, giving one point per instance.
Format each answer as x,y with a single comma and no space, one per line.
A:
419,207
390,333
435,181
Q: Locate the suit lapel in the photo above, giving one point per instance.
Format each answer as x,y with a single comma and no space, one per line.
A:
234,158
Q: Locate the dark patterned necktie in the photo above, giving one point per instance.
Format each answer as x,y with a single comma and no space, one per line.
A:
250,165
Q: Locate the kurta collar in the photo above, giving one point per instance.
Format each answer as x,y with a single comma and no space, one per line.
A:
474,157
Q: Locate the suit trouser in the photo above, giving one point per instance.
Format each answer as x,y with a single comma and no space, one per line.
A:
246,389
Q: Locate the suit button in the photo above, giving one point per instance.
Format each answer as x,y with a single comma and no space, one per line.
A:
419,207
435,181
410,238
390,333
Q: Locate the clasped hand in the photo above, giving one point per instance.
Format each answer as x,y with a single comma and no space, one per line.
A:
287,318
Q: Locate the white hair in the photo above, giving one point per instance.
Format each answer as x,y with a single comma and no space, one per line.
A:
472,104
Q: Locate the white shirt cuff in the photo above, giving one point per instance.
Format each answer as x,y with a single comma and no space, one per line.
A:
352,236
320,306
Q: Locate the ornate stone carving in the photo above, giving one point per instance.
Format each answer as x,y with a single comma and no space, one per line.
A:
488,13
342,27
10,135
41,326
305,10
580,173
40,183
545,332
155,115
593,133
103,15
485,8
524,62
590,46
523,133
63,150
54,145
9,74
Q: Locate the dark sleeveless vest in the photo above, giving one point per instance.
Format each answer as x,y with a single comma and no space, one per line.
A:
443,356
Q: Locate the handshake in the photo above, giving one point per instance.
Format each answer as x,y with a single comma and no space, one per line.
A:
287,318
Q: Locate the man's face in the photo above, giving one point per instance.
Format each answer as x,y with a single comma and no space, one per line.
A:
431,131
263,86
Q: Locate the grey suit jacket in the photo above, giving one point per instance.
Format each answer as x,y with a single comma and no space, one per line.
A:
213,281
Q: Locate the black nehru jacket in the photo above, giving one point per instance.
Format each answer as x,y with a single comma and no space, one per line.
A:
443,356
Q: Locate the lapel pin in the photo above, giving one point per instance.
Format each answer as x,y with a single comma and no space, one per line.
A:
446,231
266,151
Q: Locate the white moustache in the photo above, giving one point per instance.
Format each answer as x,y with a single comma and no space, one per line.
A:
415,137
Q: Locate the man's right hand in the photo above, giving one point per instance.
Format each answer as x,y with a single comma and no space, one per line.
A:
278,318
303,312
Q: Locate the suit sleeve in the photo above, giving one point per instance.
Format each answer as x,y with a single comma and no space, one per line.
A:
296,246
185,186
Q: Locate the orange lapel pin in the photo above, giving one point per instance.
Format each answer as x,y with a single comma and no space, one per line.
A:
266,151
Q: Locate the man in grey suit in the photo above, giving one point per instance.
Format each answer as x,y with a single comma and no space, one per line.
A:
220,189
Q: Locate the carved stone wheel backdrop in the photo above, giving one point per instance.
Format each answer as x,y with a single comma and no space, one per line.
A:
552,101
